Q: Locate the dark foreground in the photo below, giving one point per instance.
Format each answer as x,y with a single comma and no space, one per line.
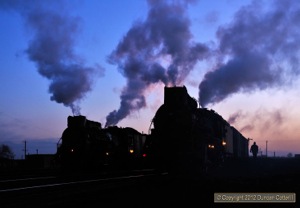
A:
263,175
249,176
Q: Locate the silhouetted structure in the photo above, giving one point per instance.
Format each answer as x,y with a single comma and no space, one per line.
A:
254,149
189,139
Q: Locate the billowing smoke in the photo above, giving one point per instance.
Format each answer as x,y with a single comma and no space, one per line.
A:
259,49
159,49
52,50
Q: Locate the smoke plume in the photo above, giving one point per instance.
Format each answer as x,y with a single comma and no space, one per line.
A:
159,49
259,49
52,50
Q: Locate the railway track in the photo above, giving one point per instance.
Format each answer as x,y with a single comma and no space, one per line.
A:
74,189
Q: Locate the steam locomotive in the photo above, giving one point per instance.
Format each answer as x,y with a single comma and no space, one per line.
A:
186,139
85,145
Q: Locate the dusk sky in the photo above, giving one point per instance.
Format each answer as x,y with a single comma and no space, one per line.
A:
110,60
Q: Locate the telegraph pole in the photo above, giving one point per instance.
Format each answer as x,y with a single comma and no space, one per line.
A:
267,148
25,149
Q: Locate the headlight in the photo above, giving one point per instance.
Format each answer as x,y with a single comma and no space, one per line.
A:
211,146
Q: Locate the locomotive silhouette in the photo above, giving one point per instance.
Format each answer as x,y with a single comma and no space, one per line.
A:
86,145
186,139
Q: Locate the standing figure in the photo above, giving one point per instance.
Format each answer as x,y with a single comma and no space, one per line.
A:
254,149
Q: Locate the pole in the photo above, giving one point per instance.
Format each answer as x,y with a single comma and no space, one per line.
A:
267,148
25,150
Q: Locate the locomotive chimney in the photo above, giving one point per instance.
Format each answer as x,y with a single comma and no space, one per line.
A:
76,121
178,97
175,96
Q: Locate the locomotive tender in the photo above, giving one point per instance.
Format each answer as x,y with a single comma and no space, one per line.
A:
187,139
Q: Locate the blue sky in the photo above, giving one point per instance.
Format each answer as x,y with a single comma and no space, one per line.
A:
254,85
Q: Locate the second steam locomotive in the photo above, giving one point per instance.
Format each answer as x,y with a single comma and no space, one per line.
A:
86,145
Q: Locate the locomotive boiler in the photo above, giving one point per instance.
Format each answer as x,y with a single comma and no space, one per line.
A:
187,139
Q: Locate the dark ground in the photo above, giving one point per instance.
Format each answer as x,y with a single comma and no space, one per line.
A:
261,175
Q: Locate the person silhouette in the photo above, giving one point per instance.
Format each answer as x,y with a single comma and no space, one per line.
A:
254,149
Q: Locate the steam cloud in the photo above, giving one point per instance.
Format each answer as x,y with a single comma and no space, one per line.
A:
254,44
158,49
259,49
52,50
